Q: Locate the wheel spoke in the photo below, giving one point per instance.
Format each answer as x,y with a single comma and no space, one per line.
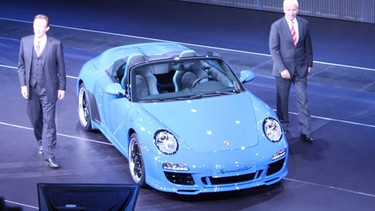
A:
135,162
83,109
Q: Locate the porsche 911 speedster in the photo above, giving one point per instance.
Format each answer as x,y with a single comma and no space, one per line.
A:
183,120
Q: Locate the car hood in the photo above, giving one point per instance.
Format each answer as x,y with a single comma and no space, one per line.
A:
209,124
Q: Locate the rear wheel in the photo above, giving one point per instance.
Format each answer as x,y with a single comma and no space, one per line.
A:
84,108
136,164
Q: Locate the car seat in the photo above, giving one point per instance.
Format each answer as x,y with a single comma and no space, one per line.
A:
188,72
145,83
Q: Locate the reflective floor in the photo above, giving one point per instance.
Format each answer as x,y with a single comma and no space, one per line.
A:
334,173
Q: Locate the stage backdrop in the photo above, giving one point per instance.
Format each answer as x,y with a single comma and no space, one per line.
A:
353,10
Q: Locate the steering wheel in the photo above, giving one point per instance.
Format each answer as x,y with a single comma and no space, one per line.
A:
199,79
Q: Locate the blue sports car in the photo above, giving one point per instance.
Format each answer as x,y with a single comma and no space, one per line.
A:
183,120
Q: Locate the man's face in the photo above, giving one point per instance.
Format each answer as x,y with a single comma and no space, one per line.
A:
40,27
290,10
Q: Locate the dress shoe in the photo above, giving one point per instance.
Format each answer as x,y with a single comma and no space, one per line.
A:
51,163
307,138
40,150
40,147
285,129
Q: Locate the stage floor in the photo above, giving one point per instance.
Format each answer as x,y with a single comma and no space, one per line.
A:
334,173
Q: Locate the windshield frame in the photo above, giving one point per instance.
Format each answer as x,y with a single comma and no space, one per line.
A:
220,79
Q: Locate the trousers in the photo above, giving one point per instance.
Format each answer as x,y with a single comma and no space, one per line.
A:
42,116
282,102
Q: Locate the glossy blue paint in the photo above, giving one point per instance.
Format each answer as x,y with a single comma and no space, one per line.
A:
220,137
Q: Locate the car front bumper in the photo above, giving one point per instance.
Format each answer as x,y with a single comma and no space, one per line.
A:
219,172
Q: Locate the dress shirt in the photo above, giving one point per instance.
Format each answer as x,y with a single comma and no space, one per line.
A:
42,42
295,22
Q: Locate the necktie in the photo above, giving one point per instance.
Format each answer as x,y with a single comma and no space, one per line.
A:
294,34
37,48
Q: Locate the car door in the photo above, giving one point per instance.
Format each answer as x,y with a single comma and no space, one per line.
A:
115,113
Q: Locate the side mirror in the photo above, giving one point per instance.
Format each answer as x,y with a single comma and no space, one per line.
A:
246,76
115,89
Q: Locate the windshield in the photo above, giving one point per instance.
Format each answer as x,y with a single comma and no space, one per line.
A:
183,79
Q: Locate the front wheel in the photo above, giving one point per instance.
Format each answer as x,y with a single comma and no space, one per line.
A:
136,164
84,108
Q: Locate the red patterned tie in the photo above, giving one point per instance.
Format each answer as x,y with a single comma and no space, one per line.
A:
294,34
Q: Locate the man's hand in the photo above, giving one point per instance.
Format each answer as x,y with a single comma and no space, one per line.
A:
60,94
285,74
24,92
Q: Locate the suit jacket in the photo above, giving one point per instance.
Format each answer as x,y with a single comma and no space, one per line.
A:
53,68
285,55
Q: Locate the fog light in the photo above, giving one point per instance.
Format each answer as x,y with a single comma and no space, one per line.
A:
279,154
175,167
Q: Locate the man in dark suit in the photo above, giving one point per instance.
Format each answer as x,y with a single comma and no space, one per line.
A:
292,54
41,71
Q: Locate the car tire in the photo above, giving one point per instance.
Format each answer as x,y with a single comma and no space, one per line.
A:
136,164
84,112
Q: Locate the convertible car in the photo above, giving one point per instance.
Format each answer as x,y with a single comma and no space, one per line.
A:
183,120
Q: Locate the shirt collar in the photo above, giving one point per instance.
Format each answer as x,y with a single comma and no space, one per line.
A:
41,40
290,22
295,22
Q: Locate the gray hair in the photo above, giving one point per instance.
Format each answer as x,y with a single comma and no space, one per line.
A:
294,2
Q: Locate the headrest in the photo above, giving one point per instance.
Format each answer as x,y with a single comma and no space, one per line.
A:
135,59
188,53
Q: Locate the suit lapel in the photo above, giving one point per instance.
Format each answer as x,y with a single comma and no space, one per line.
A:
48,45
46,49
287,30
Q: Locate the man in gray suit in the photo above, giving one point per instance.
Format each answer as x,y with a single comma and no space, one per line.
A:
292,54
41,71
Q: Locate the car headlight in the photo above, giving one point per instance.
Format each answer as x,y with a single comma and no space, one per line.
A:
272,129
166,142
